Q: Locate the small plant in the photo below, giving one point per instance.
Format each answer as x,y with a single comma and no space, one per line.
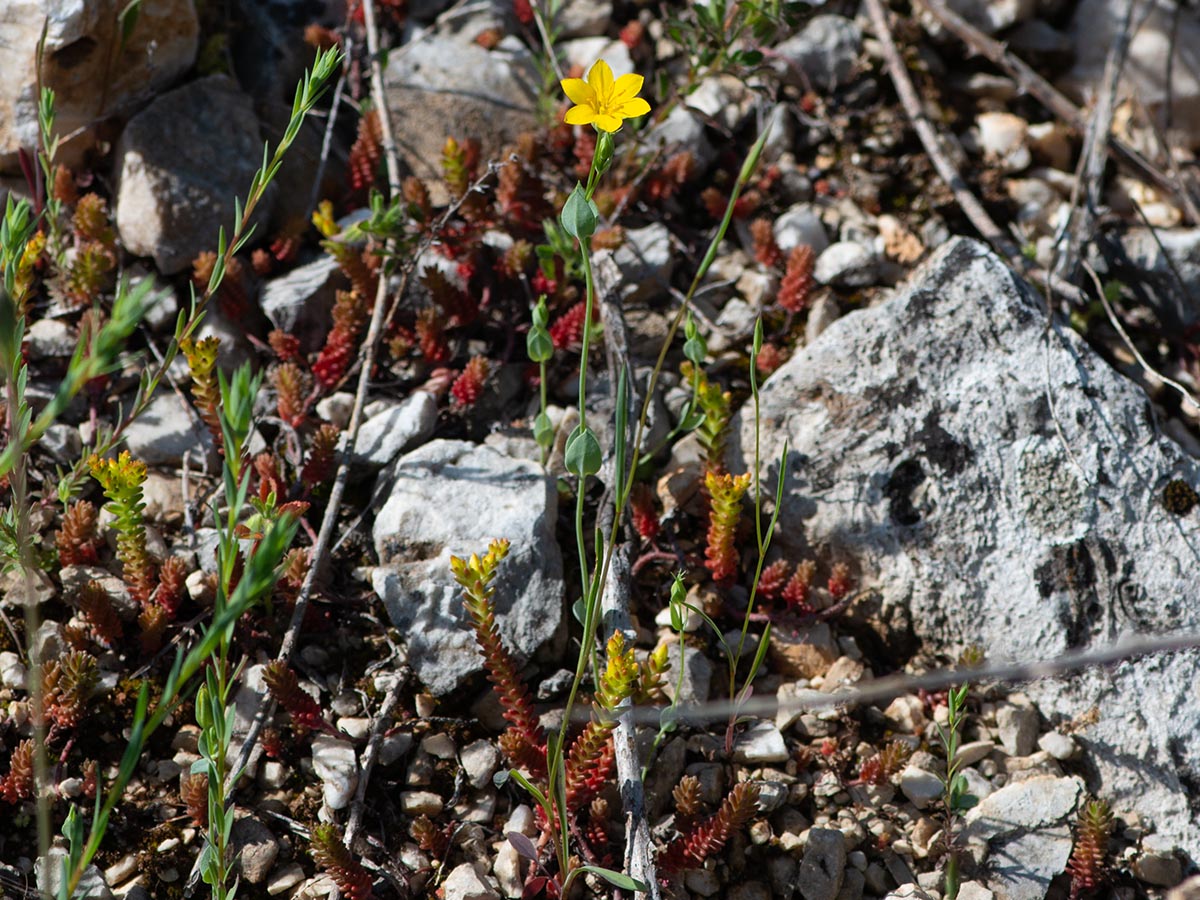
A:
331,854
712,406
468,386
1089,867
524,743
880,768
201,357
68,683
17,785
77,540
725,492
700,841
797,284
285,688
350,315
955,799
122,480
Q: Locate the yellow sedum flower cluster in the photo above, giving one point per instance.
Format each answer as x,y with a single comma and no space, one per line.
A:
602,101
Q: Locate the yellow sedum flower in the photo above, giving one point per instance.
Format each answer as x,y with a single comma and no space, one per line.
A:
603,102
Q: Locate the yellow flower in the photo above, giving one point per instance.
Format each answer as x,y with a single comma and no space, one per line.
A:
602,102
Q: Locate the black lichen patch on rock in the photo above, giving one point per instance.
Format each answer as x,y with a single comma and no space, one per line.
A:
941,447
905,479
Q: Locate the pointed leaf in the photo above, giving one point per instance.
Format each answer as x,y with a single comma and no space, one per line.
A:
523,845
616,879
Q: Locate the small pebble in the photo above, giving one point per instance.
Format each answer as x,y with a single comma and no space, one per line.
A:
1158,863
521,820
464,883
284,879
70,787
969,754
702,882
907,712
760,832
122,870
336,764
760,743
973,890
347,703
357,728
421,803
394,746
12,671
1060,746
426,705
480,761
273,774
1018,728
440,745
920,787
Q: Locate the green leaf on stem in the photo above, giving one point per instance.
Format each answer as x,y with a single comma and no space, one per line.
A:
694,347
579,215
543,431
583,456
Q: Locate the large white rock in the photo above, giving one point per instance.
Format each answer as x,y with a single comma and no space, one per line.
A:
90,79
1001,486
453,497
179,165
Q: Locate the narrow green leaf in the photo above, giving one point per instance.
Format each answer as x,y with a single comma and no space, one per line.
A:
622,439
616,879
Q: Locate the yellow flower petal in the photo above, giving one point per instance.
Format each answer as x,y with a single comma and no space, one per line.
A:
631,109
608,122
601,80
627,87
578,91
580,115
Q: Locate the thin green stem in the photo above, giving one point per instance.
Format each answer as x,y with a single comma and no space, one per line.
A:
743,179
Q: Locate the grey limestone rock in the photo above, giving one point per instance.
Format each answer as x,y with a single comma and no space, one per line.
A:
453,497
401,427
823,866
436,90
824,55
255,849
300,302
167,430
1026,825
93,73
180,163
1001,485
